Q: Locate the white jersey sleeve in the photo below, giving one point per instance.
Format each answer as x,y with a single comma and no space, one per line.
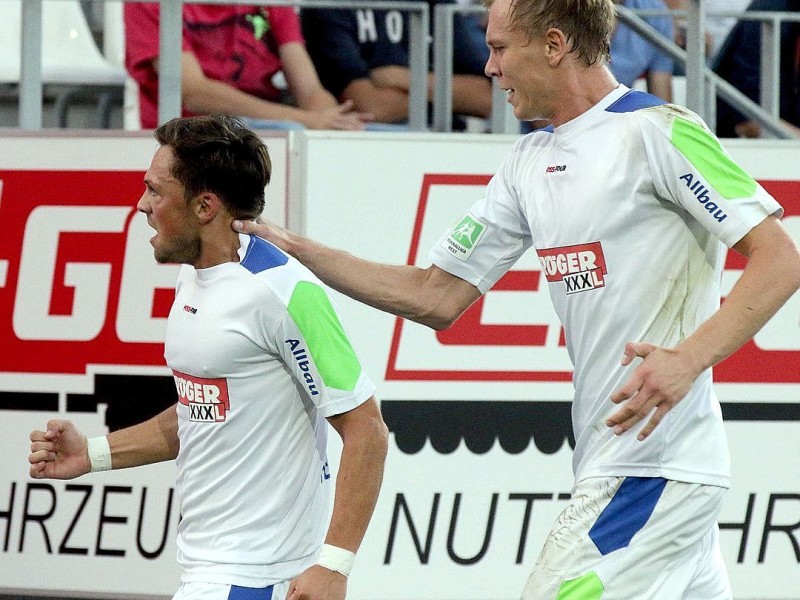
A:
693,170
498,222
315,347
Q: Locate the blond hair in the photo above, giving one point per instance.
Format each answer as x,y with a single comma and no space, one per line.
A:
586,24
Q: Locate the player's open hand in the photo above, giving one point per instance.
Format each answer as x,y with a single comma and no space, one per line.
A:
318,583
661,381
60,452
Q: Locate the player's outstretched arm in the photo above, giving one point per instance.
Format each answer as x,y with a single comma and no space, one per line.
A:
358,482
429,296
61,451
152,441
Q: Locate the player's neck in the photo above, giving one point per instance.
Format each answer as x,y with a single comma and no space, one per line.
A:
581,90
220,244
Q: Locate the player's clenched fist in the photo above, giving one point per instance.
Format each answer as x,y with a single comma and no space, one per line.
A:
60,452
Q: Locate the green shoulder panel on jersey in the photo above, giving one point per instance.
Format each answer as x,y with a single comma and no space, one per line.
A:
705,152
585,587
327,342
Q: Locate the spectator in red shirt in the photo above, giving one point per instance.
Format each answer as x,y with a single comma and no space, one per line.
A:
234,61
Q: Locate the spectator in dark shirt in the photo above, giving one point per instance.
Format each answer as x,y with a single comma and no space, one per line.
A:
739,63
362,56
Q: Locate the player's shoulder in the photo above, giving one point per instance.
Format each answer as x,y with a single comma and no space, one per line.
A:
652,114
273,268
261,255
633,101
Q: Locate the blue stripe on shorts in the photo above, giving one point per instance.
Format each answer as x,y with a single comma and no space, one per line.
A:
627,513
246,593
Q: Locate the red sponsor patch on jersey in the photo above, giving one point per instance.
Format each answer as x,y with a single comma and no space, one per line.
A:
207,399
581,267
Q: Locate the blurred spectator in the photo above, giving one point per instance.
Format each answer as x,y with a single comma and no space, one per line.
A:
234,61
633,57
717,28
739,63
361,55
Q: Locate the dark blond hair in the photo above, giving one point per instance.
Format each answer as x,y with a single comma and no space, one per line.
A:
219,154
586,24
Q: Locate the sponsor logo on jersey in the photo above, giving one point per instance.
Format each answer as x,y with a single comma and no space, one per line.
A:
556,169
207,399
581,267
700,191
464,237
190,309
301,356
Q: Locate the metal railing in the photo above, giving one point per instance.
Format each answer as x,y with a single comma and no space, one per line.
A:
703,85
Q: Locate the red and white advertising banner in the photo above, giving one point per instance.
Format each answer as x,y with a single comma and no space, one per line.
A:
480,455
83,307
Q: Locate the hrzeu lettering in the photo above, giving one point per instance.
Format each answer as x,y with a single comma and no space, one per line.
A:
301,356
79,519
700,192
581,267
207,399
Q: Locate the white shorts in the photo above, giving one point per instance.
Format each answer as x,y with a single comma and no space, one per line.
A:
634,537
220,591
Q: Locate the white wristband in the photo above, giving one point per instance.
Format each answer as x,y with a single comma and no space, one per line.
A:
336,559
99,453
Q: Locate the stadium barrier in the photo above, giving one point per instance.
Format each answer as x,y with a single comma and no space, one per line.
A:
480,452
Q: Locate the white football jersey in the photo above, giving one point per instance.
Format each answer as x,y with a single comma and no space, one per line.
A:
260,359
630,207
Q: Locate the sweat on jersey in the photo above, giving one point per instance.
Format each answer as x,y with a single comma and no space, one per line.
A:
260,359
630,207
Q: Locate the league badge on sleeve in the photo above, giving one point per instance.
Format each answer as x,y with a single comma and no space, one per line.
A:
464,237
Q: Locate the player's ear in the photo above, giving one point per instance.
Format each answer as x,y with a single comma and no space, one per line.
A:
557,45
207,205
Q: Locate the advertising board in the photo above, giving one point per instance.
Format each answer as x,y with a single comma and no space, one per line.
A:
480,452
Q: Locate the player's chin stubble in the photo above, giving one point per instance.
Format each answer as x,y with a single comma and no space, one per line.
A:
186,251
